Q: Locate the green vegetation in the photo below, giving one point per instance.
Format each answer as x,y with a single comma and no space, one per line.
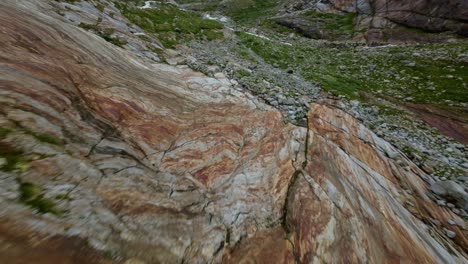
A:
331,21
62,197
275,27
94,27
207,5
429,73
313,24
248,11
331,26
412,153
44,138
14,158
100,7
4,132
239,10
172,25
34,196
105,34
390,111
424,74
39,136
241,73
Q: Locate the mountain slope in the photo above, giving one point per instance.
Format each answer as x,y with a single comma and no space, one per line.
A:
131,160
372,21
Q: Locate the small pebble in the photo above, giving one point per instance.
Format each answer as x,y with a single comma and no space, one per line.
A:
450,234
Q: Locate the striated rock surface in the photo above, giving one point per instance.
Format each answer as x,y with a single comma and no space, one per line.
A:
109,157
370,208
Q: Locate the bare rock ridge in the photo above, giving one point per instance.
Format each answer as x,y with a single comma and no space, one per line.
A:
107,157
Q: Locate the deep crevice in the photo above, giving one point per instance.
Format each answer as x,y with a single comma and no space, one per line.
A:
299,171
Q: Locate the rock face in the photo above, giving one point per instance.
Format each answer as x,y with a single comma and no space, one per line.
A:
433,16
361,160
382,18
136,161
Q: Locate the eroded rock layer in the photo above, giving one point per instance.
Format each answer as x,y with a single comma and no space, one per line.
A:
128,160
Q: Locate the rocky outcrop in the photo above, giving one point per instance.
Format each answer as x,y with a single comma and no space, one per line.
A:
363,184
140,162
383,18
432,16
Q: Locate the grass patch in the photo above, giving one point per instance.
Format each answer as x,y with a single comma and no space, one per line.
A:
334,26
273,25
317,25
429,73
390,111
199,5
241,73
172,25
248,11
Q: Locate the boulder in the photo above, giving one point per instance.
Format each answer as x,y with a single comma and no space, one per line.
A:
451,191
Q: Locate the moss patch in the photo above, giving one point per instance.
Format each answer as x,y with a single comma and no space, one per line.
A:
14,158
106,34
44,138
4,132
94,27
33,196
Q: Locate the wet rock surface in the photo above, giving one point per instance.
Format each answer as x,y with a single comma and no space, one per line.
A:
130,160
